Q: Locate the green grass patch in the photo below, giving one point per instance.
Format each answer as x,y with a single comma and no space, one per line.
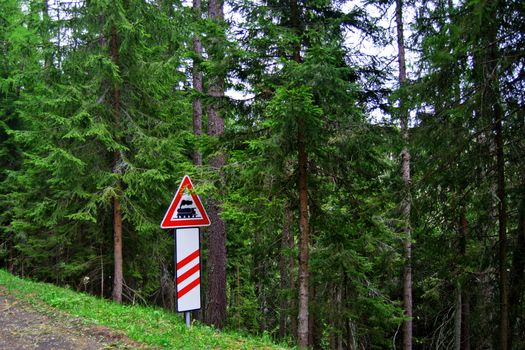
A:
149,325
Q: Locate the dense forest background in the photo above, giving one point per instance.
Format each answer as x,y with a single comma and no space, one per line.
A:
362,162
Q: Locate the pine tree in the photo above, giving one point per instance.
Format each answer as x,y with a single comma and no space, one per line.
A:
216,281
62,196
316,88
405,174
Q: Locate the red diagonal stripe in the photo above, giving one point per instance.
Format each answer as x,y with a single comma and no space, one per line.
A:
188,273
189,287
187,259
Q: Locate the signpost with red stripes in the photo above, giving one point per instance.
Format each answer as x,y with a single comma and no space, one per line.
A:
186,214
187,256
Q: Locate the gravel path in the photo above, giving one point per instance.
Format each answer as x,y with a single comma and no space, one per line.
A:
23,327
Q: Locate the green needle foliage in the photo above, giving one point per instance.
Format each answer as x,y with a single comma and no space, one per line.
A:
60,198
96,109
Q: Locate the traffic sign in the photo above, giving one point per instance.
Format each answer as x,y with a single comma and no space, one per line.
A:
186,209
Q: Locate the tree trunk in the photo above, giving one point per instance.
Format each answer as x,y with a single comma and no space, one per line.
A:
197,114
465,298
293,299
46,42
117,251
405,173
492,98
216,293
304,237
283,267
502,232
10,257
457,318
117,213
304,228
197,84
518,267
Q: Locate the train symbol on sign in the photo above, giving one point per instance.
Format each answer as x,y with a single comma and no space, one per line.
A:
186,209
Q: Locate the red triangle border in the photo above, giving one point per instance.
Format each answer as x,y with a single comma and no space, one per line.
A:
167,221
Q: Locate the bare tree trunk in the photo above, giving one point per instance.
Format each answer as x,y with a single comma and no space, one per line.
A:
293,299
304,226
518,267
197,84
465,298
10,257
216,267
117,253
117,213
283,267
405,173
457,318
101,275
492,96
48,57
304,238
197,112
502,232
338,325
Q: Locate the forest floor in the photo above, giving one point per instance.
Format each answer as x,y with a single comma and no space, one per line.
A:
22,326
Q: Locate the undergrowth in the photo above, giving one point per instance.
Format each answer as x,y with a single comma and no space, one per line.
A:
150,325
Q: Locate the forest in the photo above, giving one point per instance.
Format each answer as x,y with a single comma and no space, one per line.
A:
361,162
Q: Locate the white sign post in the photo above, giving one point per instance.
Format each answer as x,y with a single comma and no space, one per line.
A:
186,214
188,275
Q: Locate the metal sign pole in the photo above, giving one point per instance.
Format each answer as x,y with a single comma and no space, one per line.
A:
187,315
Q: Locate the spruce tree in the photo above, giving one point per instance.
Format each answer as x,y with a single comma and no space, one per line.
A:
62,196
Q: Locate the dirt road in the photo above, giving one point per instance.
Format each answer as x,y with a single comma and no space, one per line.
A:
24,327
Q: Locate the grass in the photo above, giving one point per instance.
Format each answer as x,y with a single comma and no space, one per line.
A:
153,326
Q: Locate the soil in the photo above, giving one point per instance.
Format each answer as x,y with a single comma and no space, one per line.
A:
23,326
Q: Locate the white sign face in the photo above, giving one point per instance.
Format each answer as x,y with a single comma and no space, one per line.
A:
186,209
188,269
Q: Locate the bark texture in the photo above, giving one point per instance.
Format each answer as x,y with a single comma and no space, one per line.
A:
197,84
216,263
285,268
304,227
405,173
117,159
492,109
502,232
465,297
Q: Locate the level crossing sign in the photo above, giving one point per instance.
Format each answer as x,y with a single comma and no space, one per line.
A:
186,209
185,215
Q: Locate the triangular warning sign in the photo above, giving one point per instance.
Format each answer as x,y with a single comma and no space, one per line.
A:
186,209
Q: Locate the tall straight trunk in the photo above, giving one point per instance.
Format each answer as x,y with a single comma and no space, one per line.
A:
216,267
197,84
492,100
304,225
197,108
117,251
293,298
302,317
405,173
502,231
284,267
46,42
117,212
465,297
457,318
517,272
